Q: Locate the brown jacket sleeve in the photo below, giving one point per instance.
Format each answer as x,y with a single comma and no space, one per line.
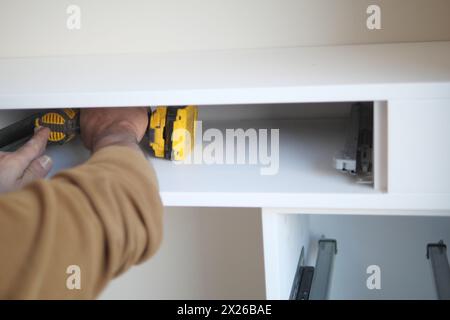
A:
103,216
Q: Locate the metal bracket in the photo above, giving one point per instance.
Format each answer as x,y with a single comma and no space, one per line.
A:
301,286
437,254
357,157
323,270
312,283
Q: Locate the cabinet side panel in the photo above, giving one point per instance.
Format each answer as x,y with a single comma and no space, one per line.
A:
380,145
284,237
419,147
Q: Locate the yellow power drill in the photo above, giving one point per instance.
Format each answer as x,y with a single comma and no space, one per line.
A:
171,130
63,123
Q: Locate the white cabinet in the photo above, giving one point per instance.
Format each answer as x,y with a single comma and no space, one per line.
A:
284,159
306,94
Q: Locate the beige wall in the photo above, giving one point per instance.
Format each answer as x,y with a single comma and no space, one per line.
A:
30,28
207,253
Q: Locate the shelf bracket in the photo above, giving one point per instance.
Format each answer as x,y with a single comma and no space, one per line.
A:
323,270
437,254
302,281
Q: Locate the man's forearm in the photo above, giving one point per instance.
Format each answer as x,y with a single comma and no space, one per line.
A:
103,216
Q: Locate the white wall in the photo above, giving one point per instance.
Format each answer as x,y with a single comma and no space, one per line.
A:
29,28
207,253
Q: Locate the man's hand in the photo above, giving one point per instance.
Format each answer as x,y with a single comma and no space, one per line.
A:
26,164
102,127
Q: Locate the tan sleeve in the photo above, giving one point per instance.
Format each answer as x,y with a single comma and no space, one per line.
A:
103,217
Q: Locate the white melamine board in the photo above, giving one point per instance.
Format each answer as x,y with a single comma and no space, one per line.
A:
284,236
380,145
306,178
305,166
306,150
419,147
302,74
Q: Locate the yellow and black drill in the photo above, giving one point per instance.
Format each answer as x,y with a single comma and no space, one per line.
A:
171,130
64,125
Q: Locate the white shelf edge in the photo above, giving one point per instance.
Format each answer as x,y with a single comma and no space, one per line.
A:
273,75
346,203
306,94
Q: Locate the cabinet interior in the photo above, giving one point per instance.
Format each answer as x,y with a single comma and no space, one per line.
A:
300,160
397,245
310,136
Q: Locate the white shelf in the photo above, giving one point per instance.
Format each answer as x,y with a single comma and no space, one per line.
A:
306,155
306,152
306,181
302,74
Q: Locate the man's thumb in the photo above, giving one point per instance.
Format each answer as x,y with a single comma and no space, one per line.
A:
38,169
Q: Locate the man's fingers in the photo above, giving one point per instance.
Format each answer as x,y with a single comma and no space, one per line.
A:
38,169
33,149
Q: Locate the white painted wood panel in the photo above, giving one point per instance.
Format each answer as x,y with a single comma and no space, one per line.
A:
419,147
380,145
284,237
309,74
